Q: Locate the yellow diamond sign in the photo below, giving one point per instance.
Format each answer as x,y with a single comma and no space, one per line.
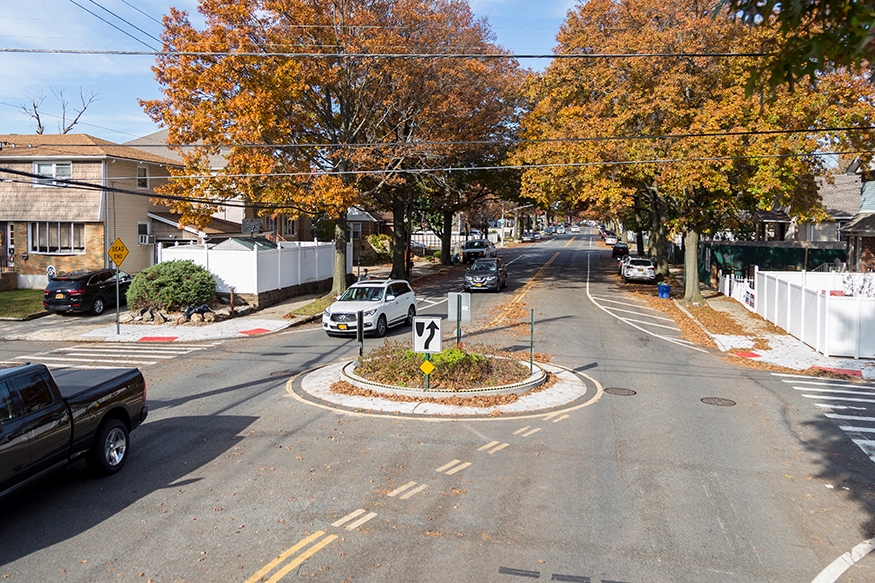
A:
426,367
117,252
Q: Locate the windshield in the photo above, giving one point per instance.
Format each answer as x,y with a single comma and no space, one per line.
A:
484,266
641,262
475,245
362,294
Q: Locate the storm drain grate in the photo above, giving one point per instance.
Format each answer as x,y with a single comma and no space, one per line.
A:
718,401
620,392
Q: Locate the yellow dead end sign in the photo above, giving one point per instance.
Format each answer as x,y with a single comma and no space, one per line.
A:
426,367
117,252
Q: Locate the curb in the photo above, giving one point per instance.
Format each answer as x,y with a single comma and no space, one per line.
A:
26,318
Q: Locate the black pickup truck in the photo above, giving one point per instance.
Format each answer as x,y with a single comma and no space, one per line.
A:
49,420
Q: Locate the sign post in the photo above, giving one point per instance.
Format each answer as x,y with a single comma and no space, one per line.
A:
117,252
427,339
459,309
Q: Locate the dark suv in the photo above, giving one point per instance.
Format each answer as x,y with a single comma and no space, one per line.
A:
82,291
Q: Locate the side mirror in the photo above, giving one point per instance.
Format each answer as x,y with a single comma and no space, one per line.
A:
390,298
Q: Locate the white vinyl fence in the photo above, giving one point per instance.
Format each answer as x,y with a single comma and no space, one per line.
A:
261,269
817,308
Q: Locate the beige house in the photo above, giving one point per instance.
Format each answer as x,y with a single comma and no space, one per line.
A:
47,222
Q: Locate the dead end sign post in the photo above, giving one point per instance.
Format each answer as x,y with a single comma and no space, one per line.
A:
117,252
427,339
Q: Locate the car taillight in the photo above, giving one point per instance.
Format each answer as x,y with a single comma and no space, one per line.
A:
76,292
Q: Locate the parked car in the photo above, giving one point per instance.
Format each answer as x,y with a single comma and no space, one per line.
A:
620,250
549,230
383,303
418,249
610,239
537,235
621,263
527,237
639,269
486,274
85,291
476,248
49,420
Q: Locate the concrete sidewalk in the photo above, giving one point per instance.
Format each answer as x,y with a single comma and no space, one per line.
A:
84,328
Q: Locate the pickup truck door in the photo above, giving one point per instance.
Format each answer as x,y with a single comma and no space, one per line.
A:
46,419
14,455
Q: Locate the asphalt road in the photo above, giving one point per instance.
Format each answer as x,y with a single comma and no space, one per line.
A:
231,471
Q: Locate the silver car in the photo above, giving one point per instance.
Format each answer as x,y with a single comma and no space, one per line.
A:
383,303
638,269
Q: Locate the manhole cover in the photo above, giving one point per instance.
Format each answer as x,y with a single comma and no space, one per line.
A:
284,373
718,401
620,392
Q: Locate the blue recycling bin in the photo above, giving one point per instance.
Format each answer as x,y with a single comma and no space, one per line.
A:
664,290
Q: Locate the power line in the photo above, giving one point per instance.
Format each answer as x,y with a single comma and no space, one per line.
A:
125,21
342,55
496,142
126,33
153,19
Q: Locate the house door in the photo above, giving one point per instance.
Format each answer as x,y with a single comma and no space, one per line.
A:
6,244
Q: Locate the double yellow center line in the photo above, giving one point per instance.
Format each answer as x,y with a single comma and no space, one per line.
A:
309,552
525,289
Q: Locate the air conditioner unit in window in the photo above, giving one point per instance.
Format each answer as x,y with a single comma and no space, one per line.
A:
147,239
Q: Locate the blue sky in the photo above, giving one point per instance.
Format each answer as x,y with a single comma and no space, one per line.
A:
521,26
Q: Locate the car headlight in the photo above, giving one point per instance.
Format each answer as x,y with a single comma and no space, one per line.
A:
368,313
326,313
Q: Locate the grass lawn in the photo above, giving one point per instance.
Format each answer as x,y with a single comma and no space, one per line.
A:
316,307
19,303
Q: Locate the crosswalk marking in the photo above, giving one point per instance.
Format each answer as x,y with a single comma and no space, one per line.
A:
455,468
95,356
837,396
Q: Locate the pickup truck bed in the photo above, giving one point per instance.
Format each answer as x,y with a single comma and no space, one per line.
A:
49,420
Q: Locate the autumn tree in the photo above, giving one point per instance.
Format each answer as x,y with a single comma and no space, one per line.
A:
313,112
676,134
808,37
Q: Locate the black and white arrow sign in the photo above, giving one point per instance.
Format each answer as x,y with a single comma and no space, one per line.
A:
427,334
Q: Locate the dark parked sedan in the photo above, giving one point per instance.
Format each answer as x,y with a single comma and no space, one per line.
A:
84,291
620,250
486,274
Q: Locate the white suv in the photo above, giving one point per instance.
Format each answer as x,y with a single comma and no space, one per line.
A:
383,303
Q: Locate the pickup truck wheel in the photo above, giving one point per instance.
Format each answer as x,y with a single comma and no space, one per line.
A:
110,450
98,306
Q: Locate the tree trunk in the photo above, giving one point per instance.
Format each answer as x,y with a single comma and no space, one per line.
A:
447,238
639,231
399,236
658,242
341,231
692,294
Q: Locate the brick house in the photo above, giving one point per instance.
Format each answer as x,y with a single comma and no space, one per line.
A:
44,222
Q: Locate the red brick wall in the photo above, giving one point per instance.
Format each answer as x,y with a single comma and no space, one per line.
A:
36,264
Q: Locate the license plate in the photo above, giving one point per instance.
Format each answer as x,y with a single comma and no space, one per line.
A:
59,296
341,327
478,285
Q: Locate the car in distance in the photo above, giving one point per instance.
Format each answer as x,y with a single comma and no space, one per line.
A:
575,229
620,250
486,274
560,230
611,239
476,248
383,303
84,291
527,237
639,269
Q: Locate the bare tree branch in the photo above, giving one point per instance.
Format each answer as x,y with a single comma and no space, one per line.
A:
32,110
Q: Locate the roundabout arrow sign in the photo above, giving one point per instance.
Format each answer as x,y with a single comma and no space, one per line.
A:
427,334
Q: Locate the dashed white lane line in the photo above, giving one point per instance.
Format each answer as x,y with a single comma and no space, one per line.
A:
455,468
558,419
535,430
488,445
498,448
400,489
414,492
837,568
520,430
357,523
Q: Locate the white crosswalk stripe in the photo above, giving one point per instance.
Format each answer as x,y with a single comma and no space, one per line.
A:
104,355
835,395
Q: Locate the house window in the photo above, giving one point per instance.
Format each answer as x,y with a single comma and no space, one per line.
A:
52,172
56,238
281,225
356,229
142,177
